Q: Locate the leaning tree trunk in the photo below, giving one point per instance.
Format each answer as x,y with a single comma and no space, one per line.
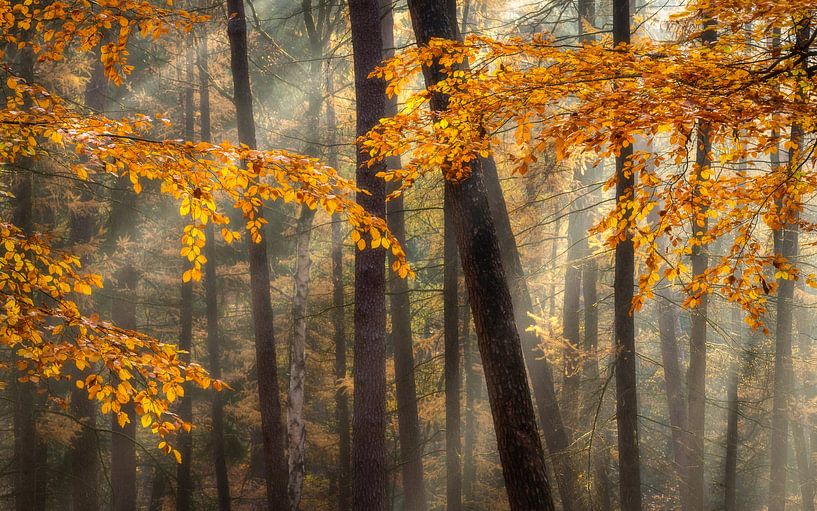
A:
211,300
625,357
518,441
272,431
410,436
369,416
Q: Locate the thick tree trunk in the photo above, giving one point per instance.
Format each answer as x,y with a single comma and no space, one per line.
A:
453,443
518,441
369,416
272,430
541,375
339,322
211,300
410,436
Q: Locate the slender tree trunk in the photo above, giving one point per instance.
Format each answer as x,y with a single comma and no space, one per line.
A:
673,385
732,439
211,300
84,456
472,392
571,314
184,476
803,469
369,416
30,466
696,377
157,490
123,440
272,431
453,444
339,322
786,244
296,422
123,314
625,358
518,441
410,436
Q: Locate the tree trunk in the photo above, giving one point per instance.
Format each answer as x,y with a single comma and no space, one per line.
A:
339,322
211,299
786,244
410,436
369,416
571,313
625,358
472,392
123,314
518,441
674,388
123,440
453,445
803,466
84,456
184,476
732,439
541,375
268,391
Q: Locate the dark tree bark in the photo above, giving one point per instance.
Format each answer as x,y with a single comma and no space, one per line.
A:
184,476
541,374
339,322
410,436
518,441
625,359
272,431
453,443
369,416
211,300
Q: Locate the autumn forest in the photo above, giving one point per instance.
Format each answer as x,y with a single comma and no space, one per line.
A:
413,255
